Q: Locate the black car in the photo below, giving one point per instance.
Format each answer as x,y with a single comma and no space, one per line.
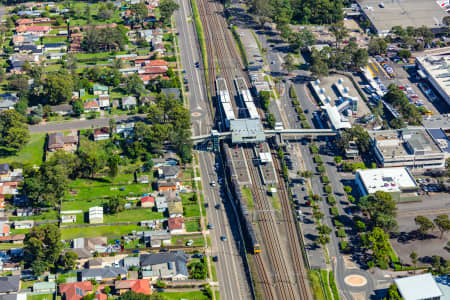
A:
206,204
217,206
164,249
306,111
215,258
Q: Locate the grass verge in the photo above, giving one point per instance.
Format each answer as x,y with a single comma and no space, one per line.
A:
324,276
316,286
248,197
333,286
240,45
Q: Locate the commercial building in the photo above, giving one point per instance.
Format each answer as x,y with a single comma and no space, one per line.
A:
247,131
436,71
397,181
412,148
383,15
420,287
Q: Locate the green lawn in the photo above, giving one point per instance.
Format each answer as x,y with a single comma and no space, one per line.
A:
106,190
196,295
190,208
40,297
182,240
7,246
109,231
32,152
83,205
54,39
133,215
193,225
52,68
101,55
46,215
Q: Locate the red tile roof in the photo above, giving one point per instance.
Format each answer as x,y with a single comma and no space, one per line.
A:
24,22
5,229
155,70
91,104
103,130
35,28
157,62
147,199
101,296
176,223
141,286
70,289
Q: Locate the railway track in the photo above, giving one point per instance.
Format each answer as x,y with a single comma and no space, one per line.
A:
281,280
299,266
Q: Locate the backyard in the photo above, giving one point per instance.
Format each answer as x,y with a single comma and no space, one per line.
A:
32,153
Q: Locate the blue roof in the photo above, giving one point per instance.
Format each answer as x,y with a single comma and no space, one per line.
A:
439,134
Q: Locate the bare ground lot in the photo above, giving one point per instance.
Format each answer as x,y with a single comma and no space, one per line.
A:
407,240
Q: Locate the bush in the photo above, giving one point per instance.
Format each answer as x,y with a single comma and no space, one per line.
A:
331,200
341,233
327,189
292,92
334,211
318,159
344,246
302,117
325,179
321,169
337,223
348,189
351,198
305,125
314,149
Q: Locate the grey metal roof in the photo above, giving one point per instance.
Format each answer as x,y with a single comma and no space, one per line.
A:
9,284
161,258
104,272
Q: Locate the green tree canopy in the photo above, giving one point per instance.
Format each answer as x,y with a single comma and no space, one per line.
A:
381,208
58,88
13,131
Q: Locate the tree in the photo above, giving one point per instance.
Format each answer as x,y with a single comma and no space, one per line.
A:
134,85
289,64
78,107
107,290
140,11
92,158
58,88
301,39
377,242
323,239
360,58
377,46
68,261
339,31
381,208
115,204
167,8
414,257
324,229
13,131
360,226
21,106
113,164
42,246
424,224
104,13
404,53
393,293
319,65
337,159
443,223
348,189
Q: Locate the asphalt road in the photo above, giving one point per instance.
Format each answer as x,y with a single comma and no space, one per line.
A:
190,54
230,268
84,124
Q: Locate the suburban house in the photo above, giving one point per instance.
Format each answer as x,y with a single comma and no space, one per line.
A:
75,290
4,229
62,109
26,224
167,185
130,261
40,30
4,170
101,134
6,104
103,101
9,284
44,287
68,218
28,49
91,105
148,201
24,212
96,215
175,225
141,286
159,238
129,102
165,266
93,244
125,129
55,46
95,263
143,179
14,239
161,203
103,274
175,209
59,141
168,171
99,89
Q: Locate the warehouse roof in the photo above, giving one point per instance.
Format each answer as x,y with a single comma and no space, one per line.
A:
418,287
386,179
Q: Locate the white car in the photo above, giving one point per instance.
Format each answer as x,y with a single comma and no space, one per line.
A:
213,183
189,243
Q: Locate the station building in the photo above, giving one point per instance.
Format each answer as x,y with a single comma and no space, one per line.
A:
398,182
244,131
